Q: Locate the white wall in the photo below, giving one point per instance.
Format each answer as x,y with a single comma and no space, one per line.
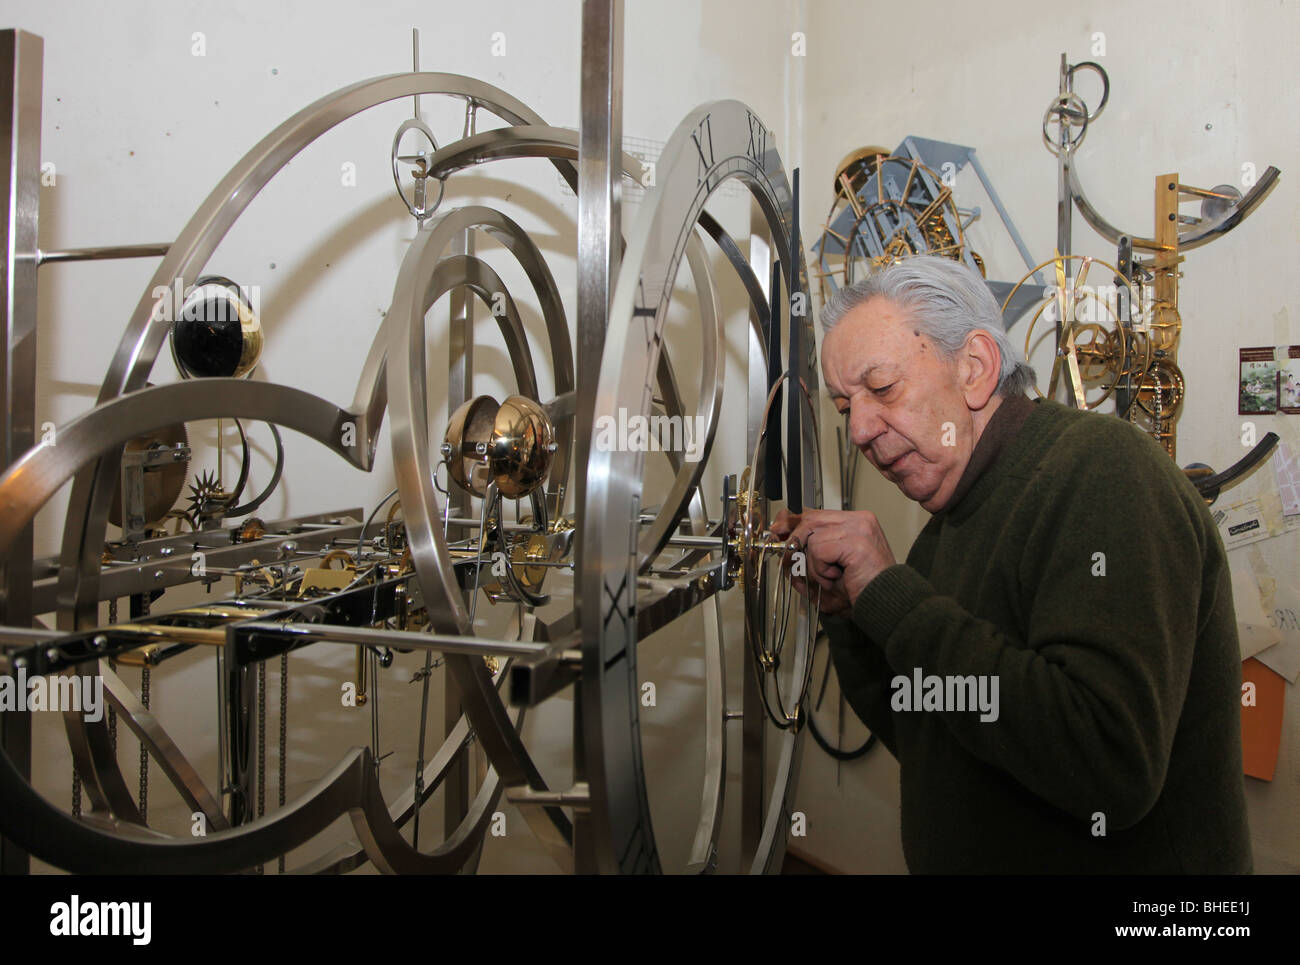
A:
1198,90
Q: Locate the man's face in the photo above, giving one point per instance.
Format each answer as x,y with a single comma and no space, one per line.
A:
900,395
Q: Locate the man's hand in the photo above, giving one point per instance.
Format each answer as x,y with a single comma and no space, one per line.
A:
844,552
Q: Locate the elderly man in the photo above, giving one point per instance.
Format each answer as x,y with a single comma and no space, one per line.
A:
1056,665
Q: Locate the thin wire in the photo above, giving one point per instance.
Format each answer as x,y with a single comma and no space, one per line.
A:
261,745
784,598
373,660
144,700
144,750
112,665
261,738
488,501
419,762
284,734
361,536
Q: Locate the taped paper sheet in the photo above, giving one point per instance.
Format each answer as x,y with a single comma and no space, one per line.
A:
1286,469
1254,631
1284,615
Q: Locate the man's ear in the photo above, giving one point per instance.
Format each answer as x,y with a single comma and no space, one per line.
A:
979,367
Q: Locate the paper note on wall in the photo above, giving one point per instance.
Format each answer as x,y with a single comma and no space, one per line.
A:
1254,631
1284,616
1253,519
1286,469
1241,523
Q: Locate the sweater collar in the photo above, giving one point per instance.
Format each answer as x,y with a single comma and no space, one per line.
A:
1003,427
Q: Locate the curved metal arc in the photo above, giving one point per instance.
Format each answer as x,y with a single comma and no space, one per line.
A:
419,284
372,388
770,850
1198,236
521,141
218,212
704,848
728,246
34,478
623,835
277,471
31,481
407,391
491,722
376,824
391,853
348,857
185,258
350,787
149,730
688,472
382,840
769,854
76,846
686,495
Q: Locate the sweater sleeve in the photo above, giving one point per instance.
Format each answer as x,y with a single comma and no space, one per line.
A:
864,677
1090,694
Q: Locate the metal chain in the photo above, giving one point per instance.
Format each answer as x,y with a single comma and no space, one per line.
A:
373,662
112,665
144,751
1157,418
261,738
261,744
284,734
112,726
144,699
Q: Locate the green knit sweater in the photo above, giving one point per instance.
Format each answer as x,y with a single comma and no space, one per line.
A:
1116,746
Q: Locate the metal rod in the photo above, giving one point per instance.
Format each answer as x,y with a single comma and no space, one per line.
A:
22,57
1192,192
753,731
460,389
507,527
103,253
1005,216
1064,197
370,637
415,64
600,238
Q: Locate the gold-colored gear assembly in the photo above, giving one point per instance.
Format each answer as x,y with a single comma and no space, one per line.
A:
1089,353
901,225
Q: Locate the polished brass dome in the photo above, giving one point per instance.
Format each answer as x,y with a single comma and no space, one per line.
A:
511,444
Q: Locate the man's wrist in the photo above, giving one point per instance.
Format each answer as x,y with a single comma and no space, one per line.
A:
887,599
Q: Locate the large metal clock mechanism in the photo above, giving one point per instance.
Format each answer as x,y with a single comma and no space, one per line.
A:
890,206
1117,325
512,504
887,207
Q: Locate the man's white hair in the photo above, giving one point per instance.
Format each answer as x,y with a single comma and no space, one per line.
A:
947,301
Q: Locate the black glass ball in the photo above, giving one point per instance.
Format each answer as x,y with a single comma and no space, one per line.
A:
216,334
